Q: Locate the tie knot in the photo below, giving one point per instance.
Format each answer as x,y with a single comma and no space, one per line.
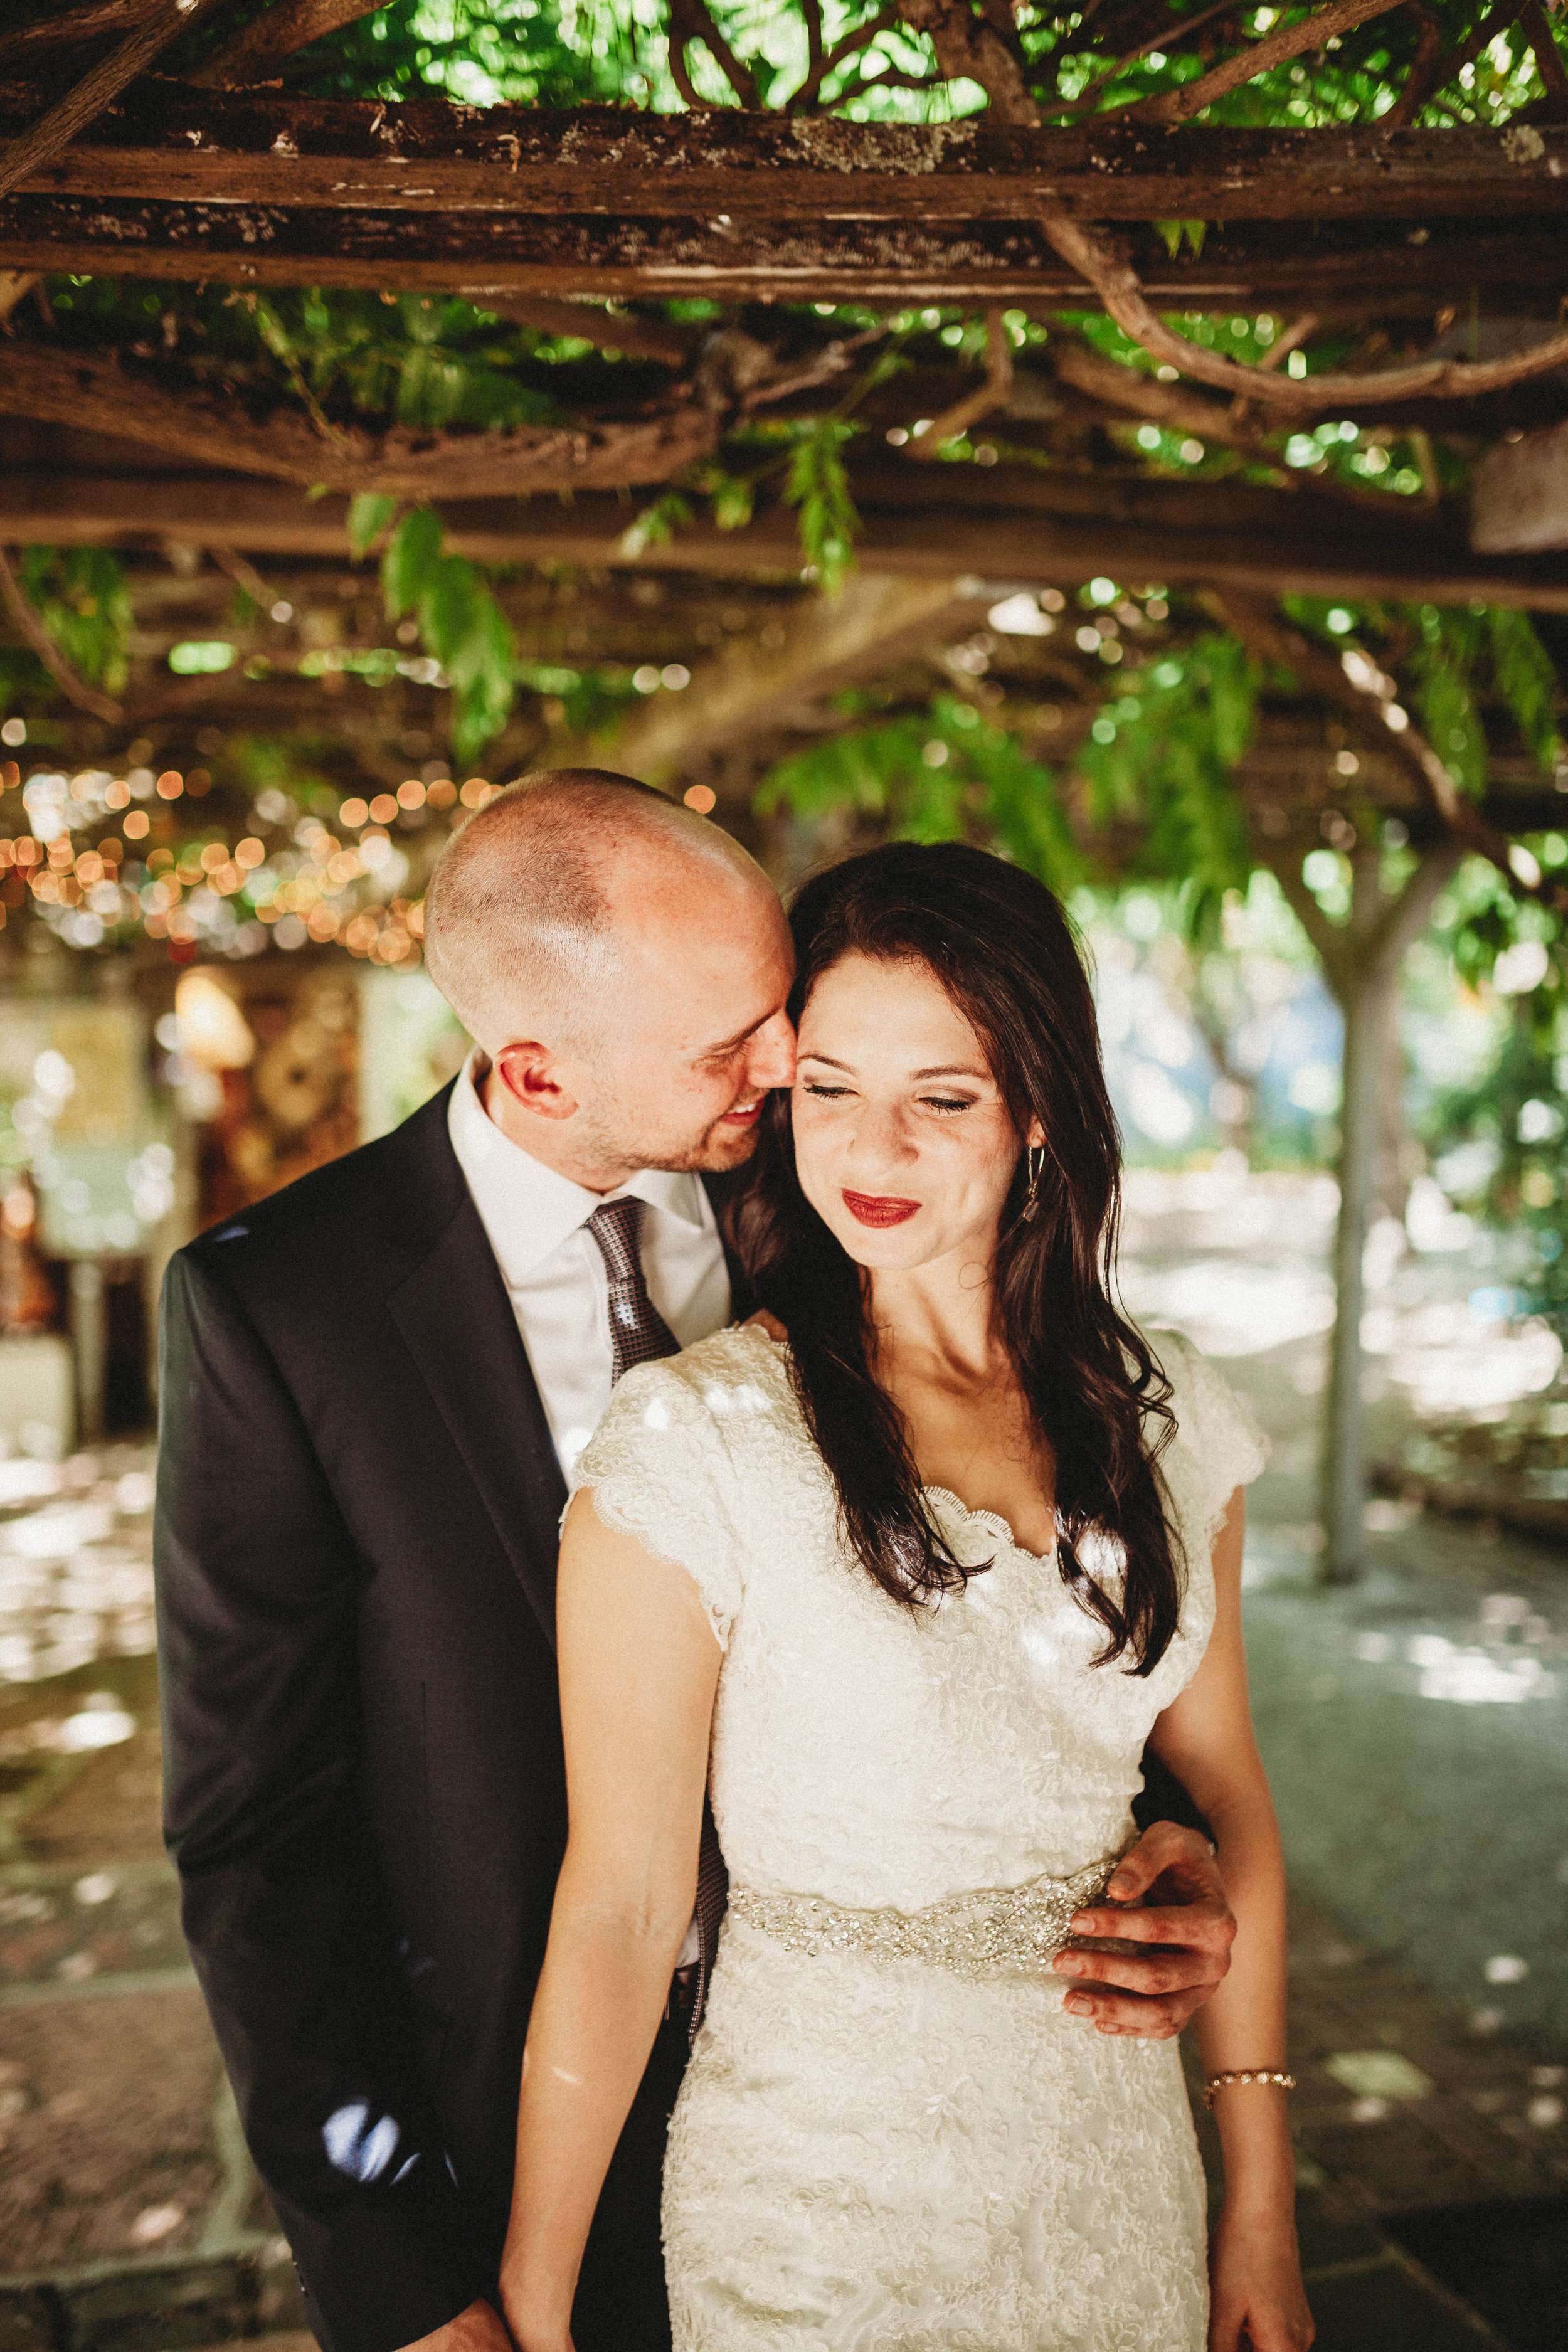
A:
617,1228
638,1332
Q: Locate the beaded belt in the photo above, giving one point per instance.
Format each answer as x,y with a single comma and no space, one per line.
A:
1000,1931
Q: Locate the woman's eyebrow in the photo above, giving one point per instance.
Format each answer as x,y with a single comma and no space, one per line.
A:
942,1070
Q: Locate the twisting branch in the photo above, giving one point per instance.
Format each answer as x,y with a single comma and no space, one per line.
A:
1279,351
72,29
812,11
97,89
689,21
1418,80
1422,86
244,574
1275,50
1169,38
1121,292
1143,396
1357,687
31,630
968,48
274,37
991,395
805,97
1548,63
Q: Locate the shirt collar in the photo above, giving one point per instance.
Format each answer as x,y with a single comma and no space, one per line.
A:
528,1209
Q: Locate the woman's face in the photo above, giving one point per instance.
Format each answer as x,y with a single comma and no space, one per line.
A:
903,1144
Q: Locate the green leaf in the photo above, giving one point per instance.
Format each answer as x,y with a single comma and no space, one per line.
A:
369,514
656,525
732,502
1172,233
449,616
818,486
1526,681
409,564
483,695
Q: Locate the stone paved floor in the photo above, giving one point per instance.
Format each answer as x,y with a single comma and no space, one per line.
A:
1413,1727
1416,1729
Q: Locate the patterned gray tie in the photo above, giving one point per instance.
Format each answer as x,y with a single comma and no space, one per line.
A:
638,1332
639,1335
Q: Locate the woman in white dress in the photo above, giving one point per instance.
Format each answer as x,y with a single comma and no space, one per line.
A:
907,1571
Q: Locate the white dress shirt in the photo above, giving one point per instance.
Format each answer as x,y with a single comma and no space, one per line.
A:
536,1220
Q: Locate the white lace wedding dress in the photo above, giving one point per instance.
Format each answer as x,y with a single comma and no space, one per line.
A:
876,2153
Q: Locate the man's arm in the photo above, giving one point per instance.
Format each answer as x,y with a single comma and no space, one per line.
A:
1173,1875
283,1904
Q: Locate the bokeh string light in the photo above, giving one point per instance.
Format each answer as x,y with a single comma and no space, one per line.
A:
308,882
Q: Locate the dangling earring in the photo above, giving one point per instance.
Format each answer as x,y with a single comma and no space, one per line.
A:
1034,1154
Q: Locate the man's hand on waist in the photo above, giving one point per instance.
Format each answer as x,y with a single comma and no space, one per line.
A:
478,2329
1171,1874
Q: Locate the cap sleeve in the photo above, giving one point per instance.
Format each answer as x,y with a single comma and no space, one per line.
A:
659,1470
1218,1445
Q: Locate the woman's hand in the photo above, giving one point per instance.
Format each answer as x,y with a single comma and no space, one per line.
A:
1256,2300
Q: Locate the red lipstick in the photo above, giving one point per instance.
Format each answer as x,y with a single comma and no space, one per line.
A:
878,1208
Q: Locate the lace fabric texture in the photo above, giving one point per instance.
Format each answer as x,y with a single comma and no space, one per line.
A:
874,2152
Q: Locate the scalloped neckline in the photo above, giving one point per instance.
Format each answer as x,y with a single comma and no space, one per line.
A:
993,1520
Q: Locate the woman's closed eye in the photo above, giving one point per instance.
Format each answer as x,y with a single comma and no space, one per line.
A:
942,1103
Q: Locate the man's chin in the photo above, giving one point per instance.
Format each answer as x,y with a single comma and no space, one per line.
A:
727,1144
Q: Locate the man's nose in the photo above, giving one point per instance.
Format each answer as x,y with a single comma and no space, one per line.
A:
770,1061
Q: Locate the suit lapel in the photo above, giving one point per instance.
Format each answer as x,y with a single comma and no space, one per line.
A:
457,1323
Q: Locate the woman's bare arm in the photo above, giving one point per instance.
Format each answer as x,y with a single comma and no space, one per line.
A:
1206,1738
639,1666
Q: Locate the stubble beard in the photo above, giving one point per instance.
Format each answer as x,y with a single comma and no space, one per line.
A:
715,1151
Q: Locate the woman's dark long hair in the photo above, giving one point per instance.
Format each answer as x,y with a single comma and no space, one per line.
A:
1001,946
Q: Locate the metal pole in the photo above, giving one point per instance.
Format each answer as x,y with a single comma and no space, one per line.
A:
90,1347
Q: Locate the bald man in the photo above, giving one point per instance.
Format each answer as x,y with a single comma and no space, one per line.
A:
372,1385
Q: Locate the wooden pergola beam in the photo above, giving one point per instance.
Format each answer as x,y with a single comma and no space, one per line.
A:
827,643
174,143
87,389
1355,269
1279,544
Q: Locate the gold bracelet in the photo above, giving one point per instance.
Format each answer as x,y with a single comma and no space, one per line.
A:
1246,2074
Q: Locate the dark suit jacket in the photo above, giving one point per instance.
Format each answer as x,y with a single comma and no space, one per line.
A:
356,1534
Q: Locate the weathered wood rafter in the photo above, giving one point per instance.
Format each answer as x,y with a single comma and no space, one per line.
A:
77,390
918,521
173,143
1352,268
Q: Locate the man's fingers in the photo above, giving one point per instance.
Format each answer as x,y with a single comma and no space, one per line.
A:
1158,1973
1208,1926
1110,2012
1162,1846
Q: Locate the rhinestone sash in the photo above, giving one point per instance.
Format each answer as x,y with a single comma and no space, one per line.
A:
996,1932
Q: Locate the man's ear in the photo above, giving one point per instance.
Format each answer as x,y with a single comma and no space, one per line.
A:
530,1074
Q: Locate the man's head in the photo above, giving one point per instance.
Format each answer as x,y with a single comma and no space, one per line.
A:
624,964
